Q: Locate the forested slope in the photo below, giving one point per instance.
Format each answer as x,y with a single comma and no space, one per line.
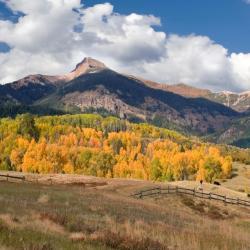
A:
109,147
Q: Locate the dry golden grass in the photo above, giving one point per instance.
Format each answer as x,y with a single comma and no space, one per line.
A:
240,178
79,212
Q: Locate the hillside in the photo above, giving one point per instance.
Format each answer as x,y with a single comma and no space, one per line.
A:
237,101
80,171
107,147
179,89
35,87
111,147
93,86
237,134
40,216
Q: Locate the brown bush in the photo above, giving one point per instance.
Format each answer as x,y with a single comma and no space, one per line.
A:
123,242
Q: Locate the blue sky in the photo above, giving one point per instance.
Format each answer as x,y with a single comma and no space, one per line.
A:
203,43
225,21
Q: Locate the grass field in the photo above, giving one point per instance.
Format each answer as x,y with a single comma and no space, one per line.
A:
101,215
241,178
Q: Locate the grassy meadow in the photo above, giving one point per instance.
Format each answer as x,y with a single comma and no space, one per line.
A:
103,216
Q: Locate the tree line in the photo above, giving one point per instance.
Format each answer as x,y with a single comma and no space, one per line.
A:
107,147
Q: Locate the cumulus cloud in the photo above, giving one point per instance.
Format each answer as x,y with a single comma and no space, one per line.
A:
53,35
198,61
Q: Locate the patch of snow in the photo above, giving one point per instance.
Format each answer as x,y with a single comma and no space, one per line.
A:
94,71
245,93
228,93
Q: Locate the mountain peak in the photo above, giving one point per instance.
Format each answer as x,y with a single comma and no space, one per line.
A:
90,63
87,65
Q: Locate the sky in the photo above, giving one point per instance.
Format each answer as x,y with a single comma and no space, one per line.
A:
203,43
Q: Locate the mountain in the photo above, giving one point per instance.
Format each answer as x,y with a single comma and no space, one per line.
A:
92,86
179,89
34,87
237,134
238,101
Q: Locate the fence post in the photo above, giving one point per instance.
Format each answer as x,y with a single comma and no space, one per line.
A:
140,195
7,177
221,198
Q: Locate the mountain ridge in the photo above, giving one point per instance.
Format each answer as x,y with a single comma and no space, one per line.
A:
238,101
92,86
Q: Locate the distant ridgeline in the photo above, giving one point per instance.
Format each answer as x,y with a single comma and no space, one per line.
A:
110,147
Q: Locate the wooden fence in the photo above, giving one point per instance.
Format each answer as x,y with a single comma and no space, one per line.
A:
161,191
9,177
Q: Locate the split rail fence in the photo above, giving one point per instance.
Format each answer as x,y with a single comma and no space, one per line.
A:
161,191
9,177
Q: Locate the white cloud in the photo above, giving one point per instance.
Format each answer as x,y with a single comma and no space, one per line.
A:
241,69
46,41
247,1
192,59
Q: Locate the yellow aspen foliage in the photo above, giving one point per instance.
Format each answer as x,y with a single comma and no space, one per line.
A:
108,147
17,154
16,159
201,174
214,151
109,174
227,165
68,168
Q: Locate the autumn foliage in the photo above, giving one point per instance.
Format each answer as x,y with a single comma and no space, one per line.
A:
106,147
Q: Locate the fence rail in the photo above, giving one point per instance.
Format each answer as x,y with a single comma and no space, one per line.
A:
7,176
159,191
